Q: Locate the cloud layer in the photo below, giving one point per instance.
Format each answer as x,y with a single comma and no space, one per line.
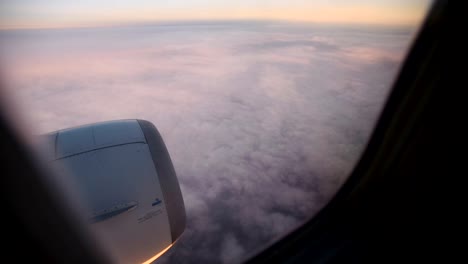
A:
263,121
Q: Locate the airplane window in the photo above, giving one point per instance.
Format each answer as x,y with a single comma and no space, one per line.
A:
264,107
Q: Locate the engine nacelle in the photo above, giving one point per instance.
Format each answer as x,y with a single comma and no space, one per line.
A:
122,172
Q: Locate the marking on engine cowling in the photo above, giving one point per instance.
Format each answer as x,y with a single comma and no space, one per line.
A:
149,215
156,202
115,210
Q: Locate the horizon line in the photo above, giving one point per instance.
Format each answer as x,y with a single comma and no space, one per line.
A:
174,22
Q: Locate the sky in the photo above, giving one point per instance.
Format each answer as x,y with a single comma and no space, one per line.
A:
55,13
263,120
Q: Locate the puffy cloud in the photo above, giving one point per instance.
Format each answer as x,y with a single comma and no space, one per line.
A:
263,121
231,249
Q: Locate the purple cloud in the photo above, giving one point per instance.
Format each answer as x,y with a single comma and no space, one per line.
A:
263,122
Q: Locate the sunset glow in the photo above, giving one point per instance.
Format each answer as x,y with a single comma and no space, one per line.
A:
49,14
157,255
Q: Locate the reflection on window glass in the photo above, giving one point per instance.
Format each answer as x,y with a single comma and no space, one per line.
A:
265,108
